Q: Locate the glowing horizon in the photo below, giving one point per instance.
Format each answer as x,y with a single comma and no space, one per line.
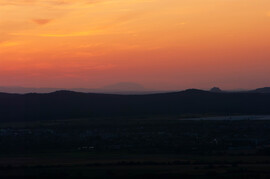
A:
166,45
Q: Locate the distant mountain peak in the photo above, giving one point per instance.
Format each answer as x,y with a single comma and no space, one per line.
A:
262,90
215,90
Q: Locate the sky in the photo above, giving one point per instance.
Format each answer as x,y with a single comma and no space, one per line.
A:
165,45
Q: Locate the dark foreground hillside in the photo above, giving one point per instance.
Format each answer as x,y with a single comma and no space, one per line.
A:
66,104
135,148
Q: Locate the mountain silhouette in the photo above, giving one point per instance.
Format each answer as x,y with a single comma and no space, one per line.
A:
215,90
118,88
262,90
68,104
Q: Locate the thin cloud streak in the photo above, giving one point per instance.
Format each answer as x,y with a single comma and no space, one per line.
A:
42,21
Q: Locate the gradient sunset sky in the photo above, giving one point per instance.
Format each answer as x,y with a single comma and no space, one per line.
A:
162,44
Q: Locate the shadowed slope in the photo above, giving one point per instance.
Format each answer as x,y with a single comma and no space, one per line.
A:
67,104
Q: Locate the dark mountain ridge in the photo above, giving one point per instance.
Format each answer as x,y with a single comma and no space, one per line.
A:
117,88
262,90
68,104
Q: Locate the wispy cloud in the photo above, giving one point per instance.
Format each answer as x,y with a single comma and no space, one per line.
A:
9,44
16,2
41,21
73,34
51,2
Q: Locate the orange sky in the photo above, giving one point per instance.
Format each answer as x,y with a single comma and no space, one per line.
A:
172,44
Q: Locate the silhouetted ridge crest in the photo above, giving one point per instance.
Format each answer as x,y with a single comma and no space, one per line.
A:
68,104
262,90
194,91
215,90
64,92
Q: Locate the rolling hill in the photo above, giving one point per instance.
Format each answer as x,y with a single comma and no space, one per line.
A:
67,104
